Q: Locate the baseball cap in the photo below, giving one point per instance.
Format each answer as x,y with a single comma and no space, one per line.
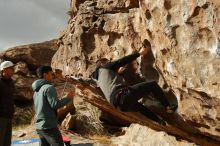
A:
6,64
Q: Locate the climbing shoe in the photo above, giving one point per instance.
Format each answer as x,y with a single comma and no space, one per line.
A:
162,122
171,108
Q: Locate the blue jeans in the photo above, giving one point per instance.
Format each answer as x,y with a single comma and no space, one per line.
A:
5,131
50,137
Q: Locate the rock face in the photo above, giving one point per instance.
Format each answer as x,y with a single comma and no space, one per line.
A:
27,58
34,55
185,38
141,135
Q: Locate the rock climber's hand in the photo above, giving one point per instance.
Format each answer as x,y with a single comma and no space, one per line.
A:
143,51
121,70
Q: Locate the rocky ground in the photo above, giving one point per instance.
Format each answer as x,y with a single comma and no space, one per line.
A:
83,135
27,131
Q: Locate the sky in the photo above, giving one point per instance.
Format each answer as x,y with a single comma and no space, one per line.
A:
31,21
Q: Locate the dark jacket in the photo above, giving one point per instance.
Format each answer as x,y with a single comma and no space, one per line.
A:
107,77
6,98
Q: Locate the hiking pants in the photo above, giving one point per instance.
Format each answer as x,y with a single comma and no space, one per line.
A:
129,100
50,137
5,131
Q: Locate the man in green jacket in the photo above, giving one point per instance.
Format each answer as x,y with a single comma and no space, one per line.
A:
46,103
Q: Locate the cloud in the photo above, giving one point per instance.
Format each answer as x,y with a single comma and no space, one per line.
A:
29,21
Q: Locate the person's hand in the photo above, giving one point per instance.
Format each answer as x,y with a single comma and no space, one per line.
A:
143,51
71,94
121,70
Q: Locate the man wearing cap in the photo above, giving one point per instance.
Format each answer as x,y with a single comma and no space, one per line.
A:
6,102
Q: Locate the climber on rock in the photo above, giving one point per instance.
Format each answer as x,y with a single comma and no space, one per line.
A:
124,97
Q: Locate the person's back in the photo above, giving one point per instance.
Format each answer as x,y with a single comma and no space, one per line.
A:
45,115
109,81
46,103
108,78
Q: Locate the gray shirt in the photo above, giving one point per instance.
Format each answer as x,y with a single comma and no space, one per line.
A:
107,77
109,81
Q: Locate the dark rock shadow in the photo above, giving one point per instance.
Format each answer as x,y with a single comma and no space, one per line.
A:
175,120
171,97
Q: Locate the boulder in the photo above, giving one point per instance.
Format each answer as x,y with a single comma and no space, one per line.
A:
21,68
24,91
184,59
136,134
68,122
34,55
27,59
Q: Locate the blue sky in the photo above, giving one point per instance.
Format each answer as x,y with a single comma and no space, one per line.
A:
31,21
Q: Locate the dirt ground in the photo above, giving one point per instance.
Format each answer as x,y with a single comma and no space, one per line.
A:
28,132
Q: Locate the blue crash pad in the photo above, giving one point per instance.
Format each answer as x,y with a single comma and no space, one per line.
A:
25,142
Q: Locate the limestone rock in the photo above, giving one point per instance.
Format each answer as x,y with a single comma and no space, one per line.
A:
185,48
34,54
23,87
21,68
64,111
137,135
27,58
68,122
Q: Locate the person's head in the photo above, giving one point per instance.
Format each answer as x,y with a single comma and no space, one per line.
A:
146,48
146,44
102,62
7,69
45,72
135,65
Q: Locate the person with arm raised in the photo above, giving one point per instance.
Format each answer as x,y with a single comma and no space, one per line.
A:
125,97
